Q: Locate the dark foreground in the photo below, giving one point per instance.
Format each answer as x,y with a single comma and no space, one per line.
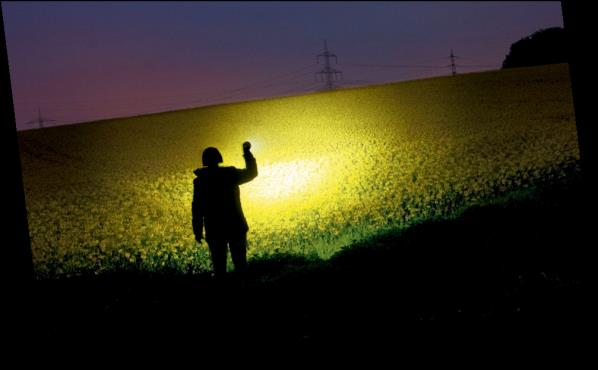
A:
519,261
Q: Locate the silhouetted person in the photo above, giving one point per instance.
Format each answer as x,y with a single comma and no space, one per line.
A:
217,207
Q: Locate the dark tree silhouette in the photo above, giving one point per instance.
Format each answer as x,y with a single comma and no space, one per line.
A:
546,46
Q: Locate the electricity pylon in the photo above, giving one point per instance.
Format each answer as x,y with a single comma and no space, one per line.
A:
328,74
39,120
453,65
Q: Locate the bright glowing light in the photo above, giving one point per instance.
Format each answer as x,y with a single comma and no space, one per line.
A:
282,180
256,145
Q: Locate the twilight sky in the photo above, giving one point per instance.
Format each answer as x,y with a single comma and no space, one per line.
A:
80,61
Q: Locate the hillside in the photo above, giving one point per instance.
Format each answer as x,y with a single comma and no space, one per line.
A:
335,167
524,259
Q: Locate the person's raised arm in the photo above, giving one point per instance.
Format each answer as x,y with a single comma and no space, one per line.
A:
250,171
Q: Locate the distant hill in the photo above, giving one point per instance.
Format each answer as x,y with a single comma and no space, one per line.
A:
547,46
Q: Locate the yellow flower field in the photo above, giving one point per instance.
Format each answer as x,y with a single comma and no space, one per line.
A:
333,167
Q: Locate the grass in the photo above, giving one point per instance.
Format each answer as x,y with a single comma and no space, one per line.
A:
520,259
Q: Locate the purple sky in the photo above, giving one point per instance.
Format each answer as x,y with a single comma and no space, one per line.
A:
79,61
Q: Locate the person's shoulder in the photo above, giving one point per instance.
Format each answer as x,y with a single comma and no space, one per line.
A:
209,172
199,173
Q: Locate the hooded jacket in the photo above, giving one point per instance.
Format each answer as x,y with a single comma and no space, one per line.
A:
217,202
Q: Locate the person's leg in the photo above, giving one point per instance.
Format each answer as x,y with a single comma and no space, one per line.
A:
218,251
238,252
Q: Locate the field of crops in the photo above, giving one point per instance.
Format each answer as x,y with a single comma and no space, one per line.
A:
333,167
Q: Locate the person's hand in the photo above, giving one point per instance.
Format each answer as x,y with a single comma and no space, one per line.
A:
246,146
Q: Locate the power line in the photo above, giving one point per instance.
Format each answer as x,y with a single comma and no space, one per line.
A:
478,65
285,79
99,99
215,99
328,75
391,66
269,79
358,81
475,60
258,86
111,98
454,65
428,61
300,87
229,93
289,76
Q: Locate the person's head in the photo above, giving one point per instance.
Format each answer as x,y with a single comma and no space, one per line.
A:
211,157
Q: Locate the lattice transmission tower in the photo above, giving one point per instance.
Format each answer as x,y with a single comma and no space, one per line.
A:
39,120
328,75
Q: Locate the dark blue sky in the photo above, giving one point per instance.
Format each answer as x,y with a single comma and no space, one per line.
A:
80,61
